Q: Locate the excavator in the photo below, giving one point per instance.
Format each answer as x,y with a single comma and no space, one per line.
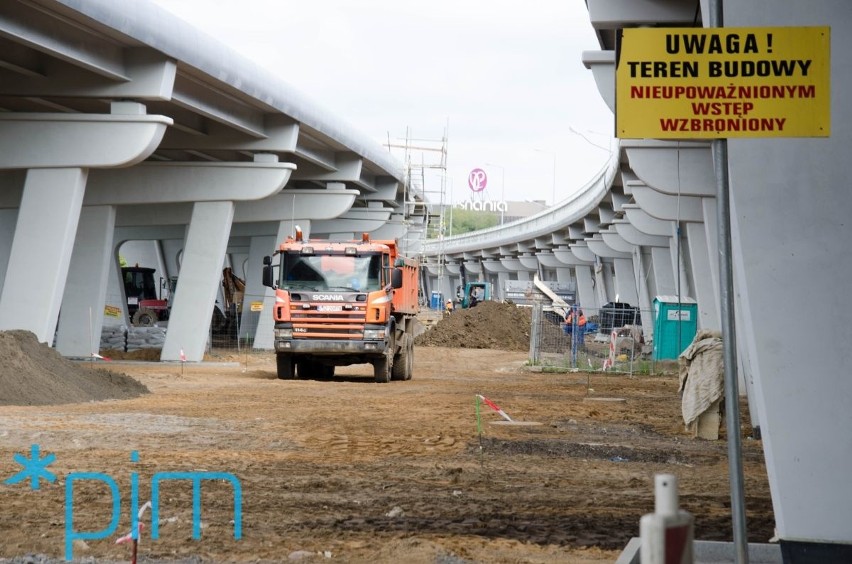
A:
468,294
147,304
472,293
559,306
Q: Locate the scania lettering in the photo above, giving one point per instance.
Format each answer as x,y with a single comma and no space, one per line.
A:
342,302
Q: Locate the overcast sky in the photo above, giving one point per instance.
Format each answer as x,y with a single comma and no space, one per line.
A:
506,82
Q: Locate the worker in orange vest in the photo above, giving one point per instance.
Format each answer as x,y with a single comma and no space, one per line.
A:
576,317
569,321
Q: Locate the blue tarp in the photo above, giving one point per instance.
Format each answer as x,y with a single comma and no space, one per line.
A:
588,328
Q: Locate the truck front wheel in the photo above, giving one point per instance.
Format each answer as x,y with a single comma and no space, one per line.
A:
286,369
382,369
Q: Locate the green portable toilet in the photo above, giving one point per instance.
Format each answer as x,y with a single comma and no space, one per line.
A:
675,324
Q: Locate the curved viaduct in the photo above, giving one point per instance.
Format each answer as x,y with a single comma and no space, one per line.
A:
120,122
650,220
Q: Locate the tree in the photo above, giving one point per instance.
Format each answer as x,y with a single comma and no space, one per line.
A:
465,221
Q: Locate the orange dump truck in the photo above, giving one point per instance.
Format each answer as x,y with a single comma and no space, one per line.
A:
342,302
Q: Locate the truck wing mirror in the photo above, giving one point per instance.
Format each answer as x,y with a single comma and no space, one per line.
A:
268,279
396,278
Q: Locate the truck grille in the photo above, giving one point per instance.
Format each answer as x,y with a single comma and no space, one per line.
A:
314,324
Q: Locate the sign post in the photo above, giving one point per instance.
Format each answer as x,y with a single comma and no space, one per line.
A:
716,83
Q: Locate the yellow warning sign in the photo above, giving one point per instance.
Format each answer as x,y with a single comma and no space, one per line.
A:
112,311
257,306
688,83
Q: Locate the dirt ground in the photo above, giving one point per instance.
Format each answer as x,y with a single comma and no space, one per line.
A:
365,472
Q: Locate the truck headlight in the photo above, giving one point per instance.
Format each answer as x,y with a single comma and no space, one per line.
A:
376,334
284,334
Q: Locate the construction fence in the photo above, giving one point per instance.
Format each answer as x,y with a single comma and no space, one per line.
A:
231,332
609,339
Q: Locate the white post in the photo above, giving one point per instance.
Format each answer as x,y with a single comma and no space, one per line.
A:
667,533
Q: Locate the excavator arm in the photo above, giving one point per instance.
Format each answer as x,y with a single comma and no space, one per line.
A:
560,305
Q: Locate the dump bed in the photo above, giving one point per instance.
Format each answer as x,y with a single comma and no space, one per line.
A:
404,299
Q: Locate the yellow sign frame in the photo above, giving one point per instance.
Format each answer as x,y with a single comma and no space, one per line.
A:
714,83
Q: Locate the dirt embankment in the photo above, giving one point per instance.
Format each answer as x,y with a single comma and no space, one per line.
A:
31,373
489,325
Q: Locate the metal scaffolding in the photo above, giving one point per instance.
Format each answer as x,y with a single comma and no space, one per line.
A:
426,201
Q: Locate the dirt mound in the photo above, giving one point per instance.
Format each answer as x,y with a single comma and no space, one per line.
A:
31,373
489,325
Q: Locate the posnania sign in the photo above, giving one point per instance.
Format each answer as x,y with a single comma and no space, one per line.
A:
687,83
477,180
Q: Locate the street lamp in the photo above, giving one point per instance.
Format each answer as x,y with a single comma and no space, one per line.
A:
502,188
450,180
553,155
589,141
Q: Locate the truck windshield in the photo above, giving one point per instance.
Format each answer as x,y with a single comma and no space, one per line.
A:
330,272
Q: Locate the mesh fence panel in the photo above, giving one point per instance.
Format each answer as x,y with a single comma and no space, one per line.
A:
233,330
609,339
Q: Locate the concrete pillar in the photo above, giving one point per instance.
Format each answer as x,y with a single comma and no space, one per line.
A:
201,271
448,288
711,235
41,250
661,261
172,254
601,290
625,281
705,292
563,276
679,265
8,220
586,288
86,287
641,258
259,247
502,278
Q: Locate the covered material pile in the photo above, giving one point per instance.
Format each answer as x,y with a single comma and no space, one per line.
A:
489,325
702,380
32,373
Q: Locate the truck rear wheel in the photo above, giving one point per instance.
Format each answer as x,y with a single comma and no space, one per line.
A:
403,360
285,366
409,360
